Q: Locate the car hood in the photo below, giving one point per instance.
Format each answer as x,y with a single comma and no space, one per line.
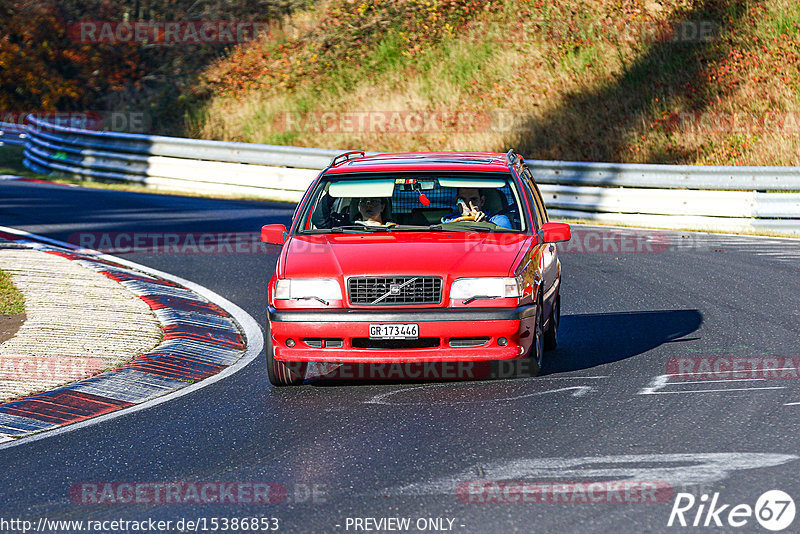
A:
402,253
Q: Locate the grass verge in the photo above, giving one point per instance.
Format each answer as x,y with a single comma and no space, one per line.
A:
710,82
11,157
11,300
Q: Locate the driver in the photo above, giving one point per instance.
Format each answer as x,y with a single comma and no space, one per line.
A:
372,212
470,204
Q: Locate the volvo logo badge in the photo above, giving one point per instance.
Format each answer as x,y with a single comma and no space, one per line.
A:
394,289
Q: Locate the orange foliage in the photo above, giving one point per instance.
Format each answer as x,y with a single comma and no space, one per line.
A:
43,68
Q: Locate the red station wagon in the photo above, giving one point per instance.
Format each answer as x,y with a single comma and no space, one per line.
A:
417,257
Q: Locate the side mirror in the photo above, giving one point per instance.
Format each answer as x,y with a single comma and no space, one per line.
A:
552,232
273,233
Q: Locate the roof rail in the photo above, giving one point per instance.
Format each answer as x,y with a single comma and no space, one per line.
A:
341,158
512,158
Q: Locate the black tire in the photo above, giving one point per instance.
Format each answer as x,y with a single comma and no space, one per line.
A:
536,352
551,334
282,373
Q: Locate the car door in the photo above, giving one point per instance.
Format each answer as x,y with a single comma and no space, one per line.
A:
549,261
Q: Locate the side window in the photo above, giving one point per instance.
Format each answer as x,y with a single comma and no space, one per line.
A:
540,202
541,214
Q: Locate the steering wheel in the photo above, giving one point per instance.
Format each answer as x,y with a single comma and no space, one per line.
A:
339,219
462,218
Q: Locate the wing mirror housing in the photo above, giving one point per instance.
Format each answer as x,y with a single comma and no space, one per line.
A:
273,233
554,232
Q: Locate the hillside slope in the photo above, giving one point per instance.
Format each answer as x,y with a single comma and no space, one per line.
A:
669,81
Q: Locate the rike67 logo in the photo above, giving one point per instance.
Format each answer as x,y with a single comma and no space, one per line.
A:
774,510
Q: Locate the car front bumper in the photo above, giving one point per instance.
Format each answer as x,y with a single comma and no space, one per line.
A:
439,326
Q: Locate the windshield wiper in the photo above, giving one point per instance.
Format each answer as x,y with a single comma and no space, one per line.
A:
438,227
360,228
412,227
459,227
469,226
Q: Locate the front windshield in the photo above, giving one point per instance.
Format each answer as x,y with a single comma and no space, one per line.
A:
415,202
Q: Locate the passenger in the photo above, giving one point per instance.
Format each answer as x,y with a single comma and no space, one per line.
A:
323,213
325,216
469,206
373,211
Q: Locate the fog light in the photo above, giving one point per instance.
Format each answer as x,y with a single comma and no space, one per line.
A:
290,343
502,342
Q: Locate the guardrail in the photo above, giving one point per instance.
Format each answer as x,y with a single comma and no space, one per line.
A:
664,196
277,172
12,134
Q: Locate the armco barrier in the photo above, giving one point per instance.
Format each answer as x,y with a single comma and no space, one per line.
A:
12,134
665,196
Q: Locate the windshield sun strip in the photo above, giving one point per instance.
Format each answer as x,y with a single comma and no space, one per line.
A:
323,184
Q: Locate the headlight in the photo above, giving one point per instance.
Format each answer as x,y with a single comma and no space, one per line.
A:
305,288
467,288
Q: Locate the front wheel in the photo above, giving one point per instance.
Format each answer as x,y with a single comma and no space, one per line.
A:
536,353
282,373
551,335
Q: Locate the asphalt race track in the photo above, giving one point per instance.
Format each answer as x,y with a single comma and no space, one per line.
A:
609,406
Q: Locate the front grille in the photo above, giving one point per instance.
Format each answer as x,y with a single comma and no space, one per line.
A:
377,290
421,343
318,343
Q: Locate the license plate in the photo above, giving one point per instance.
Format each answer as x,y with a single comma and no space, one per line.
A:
393,331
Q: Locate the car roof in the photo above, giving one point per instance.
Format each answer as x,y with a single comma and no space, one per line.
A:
424,161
